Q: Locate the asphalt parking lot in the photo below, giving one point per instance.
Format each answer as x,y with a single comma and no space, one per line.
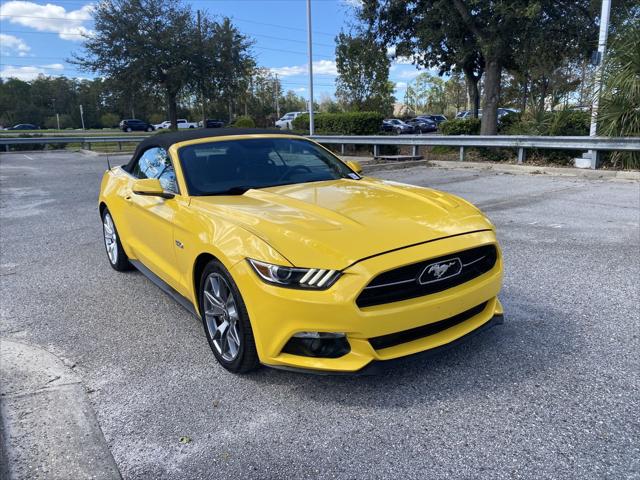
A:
552,393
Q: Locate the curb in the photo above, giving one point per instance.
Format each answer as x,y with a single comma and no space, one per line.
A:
48,428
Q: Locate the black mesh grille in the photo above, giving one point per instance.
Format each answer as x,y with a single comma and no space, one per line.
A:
419,279
393,339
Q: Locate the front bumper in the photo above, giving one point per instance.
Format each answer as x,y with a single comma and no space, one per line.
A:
278,313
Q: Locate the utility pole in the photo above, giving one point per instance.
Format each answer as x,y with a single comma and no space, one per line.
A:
58,120
277,91
204,120
311,128
599,62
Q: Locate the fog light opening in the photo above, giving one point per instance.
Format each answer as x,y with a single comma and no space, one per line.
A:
318,344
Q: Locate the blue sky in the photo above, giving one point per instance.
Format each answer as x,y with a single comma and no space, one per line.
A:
36,37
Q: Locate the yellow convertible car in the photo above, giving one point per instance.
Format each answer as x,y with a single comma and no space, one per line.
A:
291,258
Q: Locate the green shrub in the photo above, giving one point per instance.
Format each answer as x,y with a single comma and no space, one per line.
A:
244,122
459,126
507,121
52,122
566,123
348,123
110,120
154,118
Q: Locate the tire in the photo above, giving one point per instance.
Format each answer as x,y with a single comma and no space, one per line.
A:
149,129
235,352
128,129
115,253
398,131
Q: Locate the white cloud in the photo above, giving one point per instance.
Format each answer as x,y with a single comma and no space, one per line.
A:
30,72
401,85
353,3
321,67
403,61
10,45
408,74
49,18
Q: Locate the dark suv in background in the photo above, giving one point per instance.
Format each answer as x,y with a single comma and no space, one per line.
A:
211,123
134,124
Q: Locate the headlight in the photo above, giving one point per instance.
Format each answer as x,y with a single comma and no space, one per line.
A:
312,278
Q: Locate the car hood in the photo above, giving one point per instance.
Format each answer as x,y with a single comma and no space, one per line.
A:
333,224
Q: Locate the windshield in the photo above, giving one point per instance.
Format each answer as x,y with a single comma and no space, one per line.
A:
235,166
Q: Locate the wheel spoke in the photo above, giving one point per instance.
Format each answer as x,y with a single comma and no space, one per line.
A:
233,333
221,316
221,329
215,307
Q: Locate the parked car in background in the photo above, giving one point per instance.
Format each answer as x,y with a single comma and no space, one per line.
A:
182,123
133,124
501,113
286,122
506,111
467,114
24,126
211,123
423,125
437,119
396,126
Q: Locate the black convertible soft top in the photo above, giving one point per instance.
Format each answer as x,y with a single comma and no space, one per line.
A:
165,140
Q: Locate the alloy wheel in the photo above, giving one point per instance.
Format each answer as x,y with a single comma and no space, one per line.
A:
110,238
221,316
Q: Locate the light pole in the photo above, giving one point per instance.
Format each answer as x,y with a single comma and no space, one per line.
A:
310,67
277,92
602,47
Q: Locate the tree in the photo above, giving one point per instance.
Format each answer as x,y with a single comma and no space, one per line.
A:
145,41
619,113
476,36
363,74
426,33
232,66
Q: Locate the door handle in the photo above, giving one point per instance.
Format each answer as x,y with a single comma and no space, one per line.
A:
128,198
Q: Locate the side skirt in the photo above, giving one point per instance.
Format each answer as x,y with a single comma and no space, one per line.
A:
166,288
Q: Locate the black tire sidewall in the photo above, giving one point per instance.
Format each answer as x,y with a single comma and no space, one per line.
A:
246,359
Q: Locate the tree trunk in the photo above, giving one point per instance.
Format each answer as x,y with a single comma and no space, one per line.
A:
173,110
525,94
472,93
491,97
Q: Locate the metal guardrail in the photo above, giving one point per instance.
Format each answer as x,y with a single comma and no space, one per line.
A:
84,141
519,142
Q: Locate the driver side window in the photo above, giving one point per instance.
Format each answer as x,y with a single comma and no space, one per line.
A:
155,163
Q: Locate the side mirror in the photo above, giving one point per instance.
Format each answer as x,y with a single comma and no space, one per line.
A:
355,166
150,187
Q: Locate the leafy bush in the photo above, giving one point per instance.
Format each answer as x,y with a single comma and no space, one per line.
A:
244,122
459,126
52,122
348,123
619,113
109,120
566,123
